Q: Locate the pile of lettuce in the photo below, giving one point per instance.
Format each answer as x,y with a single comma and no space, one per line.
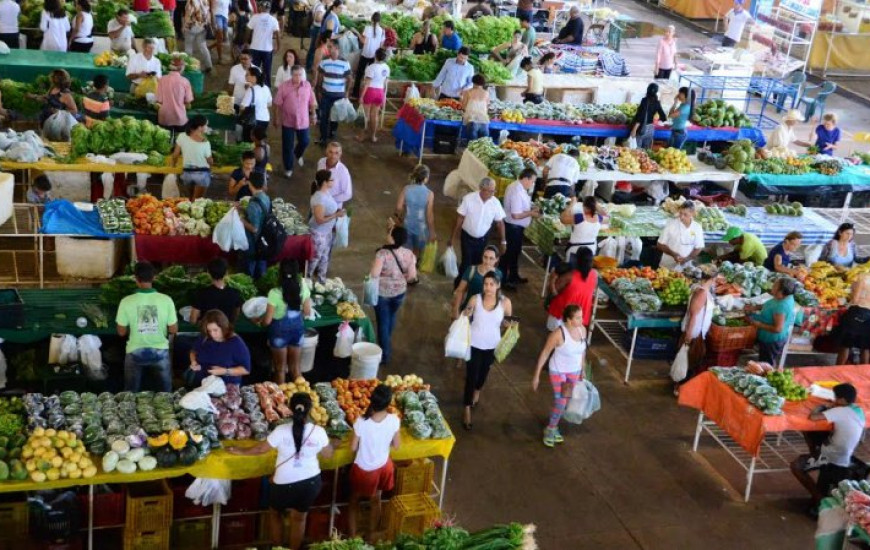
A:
425,67
125,134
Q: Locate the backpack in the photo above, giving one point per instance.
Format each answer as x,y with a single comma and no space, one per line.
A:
271,236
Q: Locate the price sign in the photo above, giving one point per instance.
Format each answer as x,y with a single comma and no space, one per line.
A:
810,9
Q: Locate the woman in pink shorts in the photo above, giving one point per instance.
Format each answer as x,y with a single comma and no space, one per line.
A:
374,94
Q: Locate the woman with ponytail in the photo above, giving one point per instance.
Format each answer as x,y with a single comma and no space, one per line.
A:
681,113
374,435
288,304
296,482
324,213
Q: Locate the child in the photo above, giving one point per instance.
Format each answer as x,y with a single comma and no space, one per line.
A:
827,135
96,103
40,191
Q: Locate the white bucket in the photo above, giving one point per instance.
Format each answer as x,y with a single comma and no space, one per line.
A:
309,346
365,361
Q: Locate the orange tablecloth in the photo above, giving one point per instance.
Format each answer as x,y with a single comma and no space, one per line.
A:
747,425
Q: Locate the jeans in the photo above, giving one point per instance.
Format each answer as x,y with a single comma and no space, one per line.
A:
476,371
511,259
678,139
293,145
385,314
312,45
475,130
147,358
195,44
360,73
327,127
10,39
263,59
472,253
252,266
646,136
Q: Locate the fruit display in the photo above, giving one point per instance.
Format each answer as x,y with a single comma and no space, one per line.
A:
755,388
672,206
638,294
740,156
676,293
717,113
737,210
631,273
506,163
780,209
711,219
114,216
532,150
148,214
790,166
635,162
712,159
109,58
292,220
567,112
273,402
828,167
399,383
354,396
177,448
349,311
50,454
829,284
421,415
673,160
786,386
512,115
318,413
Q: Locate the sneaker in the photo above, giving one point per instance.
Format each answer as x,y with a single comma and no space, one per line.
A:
301,161
288,174
549,437
557,436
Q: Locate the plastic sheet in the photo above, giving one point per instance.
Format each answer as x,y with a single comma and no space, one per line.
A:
61,217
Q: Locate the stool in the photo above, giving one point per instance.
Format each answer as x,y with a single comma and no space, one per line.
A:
411,514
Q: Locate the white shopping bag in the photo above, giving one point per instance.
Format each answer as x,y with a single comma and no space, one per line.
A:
680,366
344,341
91,358
371,289
206,492
449,263
583,403
342,232
229,233
812,253
458,342
631,143
342,111
170,187
412,93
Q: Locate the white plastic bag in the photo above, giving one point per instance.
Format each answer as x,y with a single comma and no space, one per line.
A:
370,291
213,385
342,111
4,48
205,492
343,341
197,399
170,187
91,358
342,232
229,233
58,126
631,143
658,190
2,367
412,93
584,402
812,253
449,263
69,350
608,247
680,366
635,244
458,342
255,307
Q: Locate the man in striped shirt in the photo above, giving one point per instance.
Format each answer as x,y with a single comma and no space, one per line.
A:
334,79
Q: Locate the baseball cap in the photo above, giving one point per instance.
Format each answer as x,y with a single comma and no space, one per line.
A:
732,233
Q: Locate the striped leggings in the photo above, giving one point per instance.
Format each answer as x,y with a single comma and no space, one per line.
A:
559,381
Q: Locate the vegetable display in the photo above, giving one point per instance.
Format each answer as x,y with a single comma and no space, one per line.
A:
190,63
505,163
786,386
114,215
717,113
752,386
638,294
425,67
125,134
154,24
50,455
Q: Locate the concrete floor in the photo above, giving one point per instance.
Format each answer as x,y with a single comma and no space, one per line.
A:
626,479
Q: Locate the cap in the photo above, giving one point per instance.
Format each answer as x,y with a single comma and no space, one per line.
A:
793,116
732,233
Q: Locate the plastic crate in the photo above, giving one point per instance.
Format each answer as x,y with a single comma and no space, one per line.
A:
14,520
651,346
411,514
146,540
722,338
192,535
415,477
183,507
11,308
109,508
245,496
87,258
238,530
501,184
149,508
721,359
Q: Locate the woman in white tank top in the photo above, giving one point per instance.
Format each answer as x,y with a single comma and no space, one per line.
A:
488,311
566,350
696,323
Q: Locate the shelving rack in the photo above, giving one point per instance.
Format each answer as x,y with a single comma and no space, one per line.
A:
792,34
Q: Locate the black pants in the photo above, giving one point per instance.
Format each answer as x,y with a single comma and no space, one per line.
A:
360,72
476,371
178,18
537,99
11,39
471,253
663,74
510,261
728,42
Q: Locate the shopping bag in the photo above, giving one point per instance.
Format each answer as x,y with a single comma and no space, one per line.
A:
206,492
370,291
58,126
343,341
91,358
342,111
583,403
631,143
680,366
449,264
342,232
229,233
412,93
170,187
458,342
69,350
507,342
429,257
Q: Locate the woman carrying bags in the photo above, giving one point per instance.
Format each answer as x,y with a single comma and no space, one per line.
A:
696,323
324,213
296,482
372,473
488,311
566,351
394,267
286,309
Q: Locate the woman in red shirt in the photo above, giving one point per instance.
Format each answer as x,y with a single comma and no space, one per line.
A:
575,287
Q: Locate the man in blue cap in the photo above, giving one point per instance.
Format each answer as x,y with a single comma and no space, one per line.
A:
736,20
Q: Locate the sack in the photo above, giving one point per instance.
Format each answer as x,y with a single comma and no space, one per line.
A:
91,358
229,233
370,291
507,342
342,111
206,492
271,236
342,232
344,341
458,342
58,126
170,187
584,402
449,263
412,93
680,366
429,257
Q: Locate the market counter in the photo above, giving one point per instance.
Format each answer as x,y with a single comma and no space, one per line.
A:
852,178
191,249
27,65
47,164
216,121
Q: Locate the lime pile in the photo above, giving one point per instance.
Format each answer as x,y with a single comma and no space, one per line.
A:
676,292
786,386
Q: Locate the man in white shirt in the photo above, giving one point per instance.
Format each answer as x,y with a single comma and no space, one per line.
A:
682,239
476,214
736,20
264,37
831,452
238,78
9,12
561,173
120,33
518,215
143,65
342,186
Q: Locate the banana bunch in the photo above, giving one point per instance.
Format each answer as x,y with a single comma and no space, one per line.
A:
854,272
349,311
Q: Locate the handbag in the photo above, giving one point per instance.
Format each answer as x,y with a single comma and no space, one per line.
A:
248,115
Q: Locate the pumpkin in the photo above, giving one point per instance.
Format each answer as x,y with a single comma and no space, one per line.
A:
188,455
158,441
166,457
177,439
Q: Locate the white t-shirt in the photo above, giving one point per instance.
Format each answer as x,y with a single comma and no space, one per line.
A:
263,27
681,239
125,40
293,467
138,64
237,81
736,22
848,427
222,7
374,441
9,11
54,31
379,73
262,97
479,215
374,40
194,154
564,169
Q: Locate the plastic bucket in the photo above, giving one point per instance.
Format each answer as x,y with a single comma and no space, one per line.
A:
309,346
365,360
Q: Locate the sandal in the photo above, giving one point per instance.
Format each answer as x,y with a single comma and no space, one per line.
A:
549,438
557,436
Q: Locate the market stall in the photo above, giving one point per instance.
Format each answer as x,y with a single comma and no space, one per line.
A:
852,178
759,442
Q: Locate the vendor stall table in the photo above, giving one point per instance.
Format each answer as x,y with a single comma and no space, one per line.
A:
751,437
194,250
851,179
615,330
26,65
700,172
50,165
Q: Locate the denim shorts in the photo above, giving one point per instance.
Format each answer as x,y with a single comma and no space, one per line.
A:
199,178
287,332
417,242
221,23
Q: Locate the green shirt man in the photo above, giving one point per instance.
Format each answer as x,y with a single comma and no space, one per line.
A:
747,247
147,316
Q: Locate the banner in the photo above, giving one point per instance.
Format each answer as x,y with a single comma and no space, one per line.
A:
811,9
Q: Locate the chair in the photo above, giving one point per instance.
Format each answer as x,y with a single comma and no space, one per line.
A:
797,81
817,102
